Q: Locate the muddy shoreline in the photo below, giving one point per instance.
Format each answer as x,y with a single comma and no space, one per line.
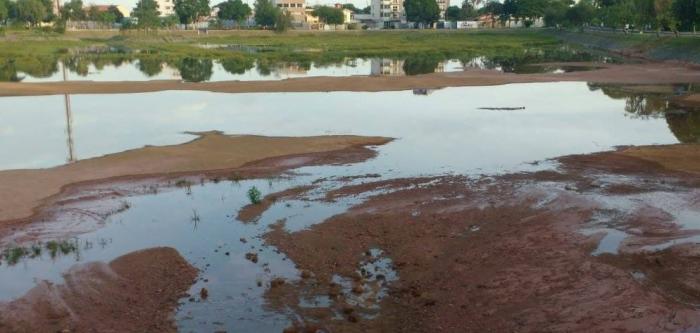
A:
507,253
28,195
646,73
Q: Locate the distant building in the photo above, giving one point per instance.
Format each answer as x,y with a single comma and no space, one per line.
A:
443,4
348,15
388,13
166,7
297,9
104,8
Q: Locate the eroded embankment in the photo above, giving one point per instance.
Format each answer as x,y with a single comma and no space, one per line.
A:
24,192
647,73
136,292
508,253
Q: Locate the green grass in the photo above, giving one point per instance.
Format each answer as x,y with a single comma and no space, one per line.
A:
293,45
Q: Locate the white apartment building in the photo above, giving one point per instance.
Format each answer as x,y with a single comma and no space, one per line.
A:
387,12
443,4
166,7
297,9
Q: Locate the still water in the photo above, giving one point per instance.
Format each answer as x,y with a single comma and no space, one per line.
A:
438,132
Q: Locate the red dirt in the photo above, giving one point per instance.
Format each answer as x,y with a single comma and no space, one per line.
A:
504,255
137,292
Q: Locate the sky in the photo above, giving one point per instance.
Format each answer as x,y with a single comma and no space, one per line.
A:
131,3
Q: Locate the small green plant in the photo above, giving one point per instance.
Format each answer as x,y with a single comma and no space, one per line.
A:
14,254
254,195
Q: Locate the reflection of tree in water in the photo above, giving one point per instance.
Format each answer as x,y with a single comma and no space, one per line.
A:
421,64
195,70
683,122
8,71
39,66
236,65
520,60
638,105
78,65
685,125
150,67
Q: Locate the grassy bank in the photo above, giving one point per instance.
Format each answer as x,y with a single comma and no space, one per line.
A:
350,43
647,46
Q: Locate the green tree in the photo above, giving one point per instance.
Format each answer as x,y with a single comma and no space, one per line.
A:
169,21
453,13
283,21
581,13
4,11
31,11
73,10
265,13
687,12
422,11
529,10
664,15
189,11
555,13
492,8
351,7
508,10
147,14
329,15
234,10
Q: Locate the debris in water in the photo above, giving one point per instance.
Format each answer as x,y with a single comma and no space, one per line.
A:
503,108
252,256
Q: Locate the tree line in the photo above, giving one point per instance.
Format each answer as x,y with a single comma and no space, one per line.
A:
668,15
146,14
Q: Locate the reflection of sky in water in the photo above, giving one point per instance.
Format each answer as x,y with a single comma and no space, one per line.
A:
438,133
129,71
441,132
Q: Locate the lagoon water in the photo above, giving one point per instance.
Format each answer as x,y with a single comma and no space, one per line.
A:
438,132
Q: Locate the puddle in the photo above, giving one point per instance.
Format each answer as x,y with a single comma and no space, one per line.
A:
610,243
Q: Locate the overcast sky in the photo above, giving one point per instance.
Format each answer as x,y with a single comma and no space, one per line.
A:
130,3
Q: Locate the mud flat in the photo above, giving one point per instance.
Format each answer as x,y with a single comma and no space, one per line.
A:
24,192
136,292
646,73
526,252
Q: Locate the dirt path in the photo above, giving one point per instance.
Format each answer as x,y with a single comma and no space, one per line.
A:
649,73
23,192
507,254
137,292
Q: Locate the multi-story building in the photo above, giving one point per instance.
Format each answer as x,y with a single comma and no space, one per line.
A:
443,4
388,12
297,8
166,7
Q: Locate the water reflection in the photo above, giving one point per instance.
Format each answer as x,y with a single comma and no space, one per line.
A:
657,102
137,67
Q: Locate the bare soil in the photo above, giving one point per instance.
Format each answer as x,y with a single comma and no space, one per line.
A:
137,292
646,73
506,254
